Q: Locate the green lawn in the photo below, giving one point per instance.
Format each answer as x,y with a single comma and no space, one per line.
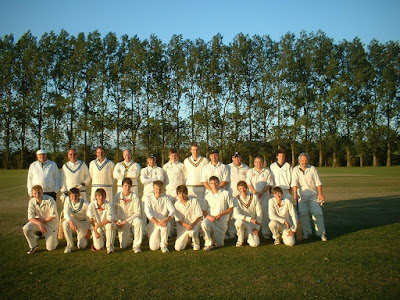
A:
360,260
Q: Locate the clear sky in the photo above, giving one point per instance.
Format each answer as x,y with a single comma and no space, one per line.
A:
339,19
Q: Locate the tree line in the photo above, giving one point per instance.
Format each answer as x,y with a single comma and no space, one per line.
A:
337,101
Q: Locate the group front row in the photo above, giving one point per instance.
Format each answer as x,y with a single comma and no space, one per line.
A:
127,216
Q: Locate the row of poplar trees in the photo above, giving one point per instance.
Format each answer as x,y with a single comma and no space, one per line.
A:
338,101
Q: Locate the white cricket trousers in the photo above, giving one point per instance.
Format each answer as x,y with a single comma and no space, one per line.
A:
125,233
81,230
108,231
279,230
244,228
50,236
158,236
309,205
183,235
217,229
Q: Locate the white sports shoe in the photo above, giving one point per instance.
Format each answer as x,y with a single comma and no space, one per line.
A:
196,247
277,241
137,250
207,248
67,250
239,244
323,238
164,250
110,250
33,250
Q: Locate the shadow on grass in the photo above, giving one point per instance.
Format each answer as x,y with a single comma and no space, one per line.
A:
343,217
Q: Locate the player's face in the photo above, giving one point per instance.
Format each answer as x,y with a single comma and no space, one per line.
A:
182,196
157,190
101,155
237,160
151,161
303,161
41,157
126,188
278,196
214,157
100,198
173,157
242,189
74,198
281,158
72,156
37,194
127,156
258,163
214,184
195,151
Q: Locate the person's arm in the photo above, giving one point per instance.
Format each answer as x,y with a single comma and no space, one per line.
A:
86,176
272,213
117,172
224,177
29,181
321,196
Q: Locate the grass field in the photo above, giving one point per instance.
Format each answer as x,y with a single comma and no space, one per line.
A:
361,258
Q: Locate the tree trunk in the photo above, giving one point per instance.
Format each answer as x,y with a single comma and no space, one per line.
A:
321,157
374,159
334,159
361,160
348,156
293,147
388,155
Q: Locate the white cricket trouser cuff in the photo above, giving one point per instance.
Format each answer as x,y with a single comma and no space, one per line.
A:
109,193
81,230
279,230
158,236
265,216
50,236
244,228
125,234
108,231
217,229
307,207
183,235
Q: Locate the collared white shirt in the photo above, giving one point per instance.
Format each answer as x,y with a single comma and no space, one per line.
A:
101,173
46,175
106,212
73,175
215,204
307,181
220,171
259,179
127,170
188,213
126,207
76,210
194,169
48,208
282,175
282,212
236,174
158,208
148,175
175,175
247,208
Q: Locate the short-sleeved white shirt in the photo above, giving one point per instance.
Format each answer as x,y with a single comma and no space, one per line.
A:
126,207
158,208
220,171
188,213
307,182
106,212
47,208
236,174
215,204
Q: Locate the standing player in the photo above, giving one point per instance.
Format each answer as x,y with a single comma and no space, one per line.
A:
215,168
237,172
194,166
159,210
74,174
307,190
217,206
101,171
128,214
174,174
127,169
44,172
283,218
282,173
259,181
101,215
247,212
76,220
187,216
43,217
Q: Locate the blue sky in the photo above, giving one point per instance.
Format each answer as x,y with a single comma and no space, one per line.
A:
339,19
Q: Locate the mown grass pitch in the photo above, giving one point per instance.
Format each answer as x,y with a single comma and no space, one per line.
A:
360,260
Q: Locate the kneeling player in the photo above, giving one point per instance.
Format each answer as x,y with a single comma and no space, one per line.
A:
217,206
283,218
43,217
128,215
101,217
76,220
187,216
159,210
247,212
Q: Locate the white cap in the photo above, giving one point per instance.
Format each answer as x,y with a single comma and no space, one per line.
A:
41,151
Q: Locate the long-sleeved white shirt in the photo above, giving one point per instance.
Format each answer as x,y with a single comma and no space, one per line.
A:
76,210
106,212
174,176
159,208
48,208
215,204
282,175
307,182
283,212
236,174
148,175
73,175
247,208
101,173
126,207
127,170
46,175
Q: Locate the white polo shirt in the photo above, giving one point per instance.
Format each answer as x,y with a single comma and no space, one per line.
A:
247,208
236,174
215,204
282,175
100,214
194,169
307,182
159,208
126,208
46,175
48,208
260,179
188,213
220,171
282,212
175,176
148,175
